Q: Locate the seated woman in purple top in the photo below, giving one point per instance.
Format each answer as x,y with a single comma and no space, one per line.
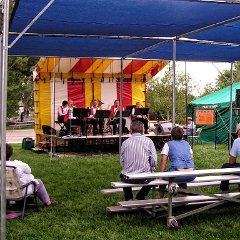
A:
180,155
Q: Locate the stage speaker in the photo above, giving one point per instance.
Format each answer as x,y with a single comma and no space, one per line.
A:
237,98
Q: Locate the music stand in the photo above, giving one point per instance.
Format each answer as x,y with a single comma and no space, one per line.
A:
102,114
141,111
81,113
129,108
125,113
106,113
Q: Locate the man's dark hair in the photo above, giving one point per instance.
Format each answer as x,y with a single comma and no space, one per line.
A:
177,133
64,103
137,127
9,151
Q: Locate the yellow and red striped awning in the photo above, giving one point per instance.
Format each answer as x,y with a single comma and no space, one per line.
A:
89,68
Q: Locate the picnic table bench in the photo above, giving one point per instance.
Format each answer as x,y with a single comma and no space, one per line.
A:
191,195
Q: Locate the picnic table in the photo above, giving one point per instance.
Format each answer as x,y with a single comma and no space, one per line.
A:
195,194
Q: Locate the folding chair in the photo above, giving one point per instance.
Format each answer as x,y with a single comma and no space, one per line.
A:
62,130
15,192
196,137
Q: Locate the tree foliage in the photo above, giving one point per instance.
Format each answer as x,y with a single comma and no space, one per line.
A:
223,80
20,83
159,96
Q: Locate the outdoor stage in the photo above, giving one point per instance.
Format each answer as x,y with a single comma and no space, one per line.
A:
101,143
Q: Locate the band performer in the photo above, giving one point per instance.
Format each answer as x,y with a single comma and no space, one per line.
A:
62,111
114,121
95,121
143,119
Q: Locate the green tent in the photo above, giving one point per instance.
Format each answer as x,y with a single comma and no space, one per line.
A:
221,101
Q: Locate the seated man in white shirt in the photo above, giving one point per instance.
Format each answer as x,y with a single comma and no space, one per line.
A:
138,155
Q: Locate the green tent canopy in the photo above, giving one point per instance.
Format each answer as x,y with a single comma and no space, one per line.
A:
219,100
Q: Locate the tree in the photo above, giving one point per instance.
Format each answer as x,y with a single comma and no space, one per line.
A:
159,96
20,83
223,80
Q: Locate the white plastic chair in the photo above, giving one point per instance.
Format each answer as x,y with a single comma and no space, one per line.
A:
196,137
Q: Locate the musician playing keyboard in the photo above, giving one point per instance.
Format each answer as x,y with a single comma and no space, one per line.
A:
115,121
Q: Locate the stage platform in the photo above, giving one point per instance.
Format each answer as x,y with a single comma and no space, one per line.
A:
101,143
93,144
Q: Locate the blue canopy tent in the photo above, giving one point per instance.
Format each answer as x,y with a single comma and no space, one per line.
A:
110,28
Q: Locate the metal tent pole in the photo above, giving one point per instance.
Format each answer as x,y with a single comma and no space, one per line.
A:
4,79
230,121
52,153
173,85
186,92
121,105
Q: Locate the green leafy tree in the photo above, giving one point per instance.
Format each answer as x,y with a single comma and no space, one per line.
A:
223,80
159,96
20,83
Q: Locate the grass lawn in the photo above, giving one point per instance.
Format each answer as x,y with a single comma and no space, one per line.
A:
76,183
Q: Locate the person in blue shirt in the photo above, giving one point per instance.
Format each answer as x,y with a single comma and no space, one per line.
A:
232,161
180,155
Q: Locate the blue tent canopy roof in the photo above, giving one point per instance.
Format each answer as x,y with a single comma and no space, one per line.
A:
128,18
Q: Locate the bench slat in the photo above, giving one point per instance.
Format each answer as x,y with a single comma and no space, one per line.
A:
189,185
119,209
163,182
175,200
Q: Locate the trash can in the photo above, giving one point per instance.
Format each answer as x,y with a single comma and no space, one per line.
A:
27,143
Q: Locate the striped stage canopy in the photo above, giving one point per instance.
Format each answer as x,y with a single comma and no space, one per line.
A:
97,68
84,79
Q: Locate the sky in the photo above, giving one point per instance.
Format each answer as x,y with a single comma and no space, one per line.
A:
200,72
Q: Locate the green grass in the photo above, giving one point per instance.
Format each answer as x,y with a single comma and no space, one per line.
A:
76,183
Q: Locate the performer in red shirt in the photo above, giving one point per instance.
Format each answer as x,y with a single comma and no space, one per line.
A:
63,111
95,121
114,121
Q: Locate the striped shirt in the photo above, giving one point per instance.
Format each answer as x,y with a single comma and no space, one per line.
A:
138,154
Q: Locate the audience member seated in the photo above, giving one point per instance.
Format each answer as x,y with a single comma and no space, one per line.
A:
180,155
232,161
138,155
25,176
143,119
96,122
115,121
